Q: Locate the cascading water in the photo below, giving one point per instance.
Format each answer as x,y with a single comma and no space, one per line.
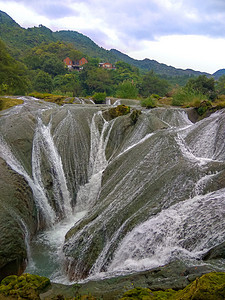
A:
184,231
47,248
43,141
144,182
42,205
88,193
128,196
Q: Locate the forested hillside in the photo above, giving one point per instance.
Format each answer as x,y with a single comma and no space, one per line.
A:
32,60
19,39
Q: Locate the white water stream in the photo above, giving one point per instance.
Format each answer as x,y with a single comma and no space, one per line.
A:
184,230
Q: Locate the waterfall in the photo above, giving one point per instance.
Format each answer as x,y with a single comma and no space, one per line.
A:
185,230
43,141
126,196
88,193
40,198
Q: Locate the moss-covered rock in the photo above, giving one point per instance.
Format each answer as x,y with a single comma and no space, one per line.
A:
135,115
117,111
6,102
26,286
57,99
210,286
138,293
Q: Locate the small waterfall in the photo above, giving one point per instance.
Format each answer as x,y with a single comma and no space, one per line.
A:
88,193
117,102
43,141
41,201
185,230
108,101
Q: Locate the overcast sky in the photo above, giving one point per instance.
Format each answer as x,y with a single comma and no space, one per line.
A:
181,33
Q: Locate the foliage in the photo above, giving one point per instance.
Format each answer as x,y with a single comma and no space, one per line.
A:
203,107
220,85
208,287
68,83
43,82
202,85
152,84
26,286
96,80
13,77
187,97
99,97
127,90
149,102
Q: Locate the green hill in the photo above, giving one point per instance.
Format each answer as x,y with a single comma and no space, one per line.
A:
18,40
158,68
219,73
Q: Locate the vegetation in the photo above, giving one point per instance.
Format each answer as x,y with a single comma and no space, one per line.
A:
58,99
6,103
26,286
13,74
187,97
127,90
32,61
208,287
119,110
99,98
149,102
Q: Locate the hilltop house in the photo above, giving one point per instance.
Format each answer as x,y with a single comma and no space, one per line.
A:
75,65
107,66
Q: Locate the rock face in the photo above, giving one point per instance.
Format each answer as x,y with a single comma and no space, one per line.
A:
38,142
161,192
18,223
152,184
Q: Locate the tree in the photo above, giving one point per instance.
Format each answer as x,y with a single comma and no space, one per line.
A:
53,66
95,79
152,84
203,85
220,85
13,74
127,90
43,82
68,83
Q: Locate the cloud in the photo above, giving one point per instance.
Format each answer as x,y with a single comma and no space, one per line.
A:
140,20
127,25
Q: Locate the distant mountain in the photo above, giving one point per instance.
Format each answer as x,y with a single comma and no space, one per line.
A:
218,73
19,39
159,68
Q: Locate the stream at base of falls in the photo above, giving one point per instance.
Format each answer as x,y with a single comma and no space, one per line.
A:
45,253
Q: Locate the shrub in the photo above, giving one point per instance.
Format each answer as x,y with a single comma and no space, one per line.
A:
187,97
127,90
149,102
99,98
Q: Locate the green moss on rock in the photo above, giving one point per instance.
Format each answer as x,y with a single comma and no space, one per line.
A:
6,102
26,286
210,286
120,110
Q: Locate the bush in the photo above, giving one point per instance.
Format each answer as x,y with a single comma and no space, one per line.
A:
99,98
149,102
127,90
187,97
